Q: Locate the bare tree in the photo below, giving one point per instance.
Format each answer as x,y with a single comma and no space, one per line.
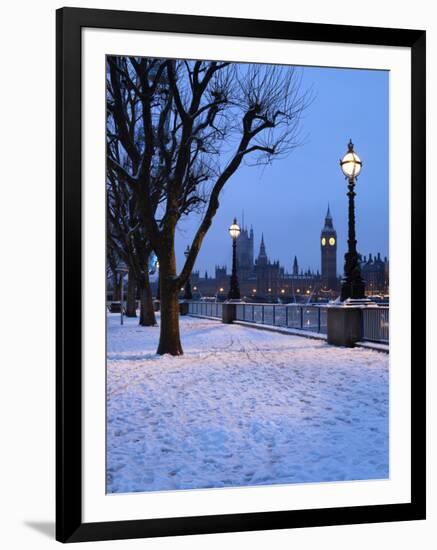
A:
198,122
126,237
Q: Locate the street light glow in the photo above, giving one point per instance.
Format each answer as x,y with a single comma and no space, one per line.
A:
351,164
234,230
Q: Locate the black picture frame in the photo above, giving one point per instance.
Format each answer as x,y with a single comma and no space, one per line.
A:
69,525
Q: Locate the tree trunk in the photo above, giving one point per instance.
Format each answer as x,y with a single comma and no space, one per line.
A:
116,288
147,313
131,305
169,338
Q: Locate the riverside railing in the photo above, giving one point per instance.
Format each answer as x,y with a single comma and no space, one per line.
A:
313,318
376,324
304,317
298,316
206,309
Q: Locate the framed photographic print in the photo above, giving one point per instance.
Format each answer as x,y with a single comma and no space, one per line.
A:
240,293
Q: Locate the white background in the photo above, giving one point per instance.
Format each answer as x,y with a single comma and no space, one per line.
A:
27,156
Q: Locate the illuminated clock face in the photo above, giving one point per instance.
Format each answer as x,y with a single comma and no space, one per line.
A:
323,241
332,241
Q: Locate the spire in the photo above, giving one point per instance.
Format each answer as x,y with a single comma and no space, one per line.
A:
295,266
328,219
262,248
262,256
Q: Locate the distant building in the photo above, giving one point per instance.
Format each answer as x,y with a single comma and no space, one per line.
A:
328,247
245,247
269,275
263,279
375,273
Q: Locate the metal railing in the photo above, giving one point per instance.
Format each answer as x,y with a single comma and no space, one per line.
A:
376,324
311,318
298,316
206,309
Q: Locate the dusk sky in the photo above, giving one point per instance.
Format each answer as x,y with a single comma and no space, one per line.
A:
287,201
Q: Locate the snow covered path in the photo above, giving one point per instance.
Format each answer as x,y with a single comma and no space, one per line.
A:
241,407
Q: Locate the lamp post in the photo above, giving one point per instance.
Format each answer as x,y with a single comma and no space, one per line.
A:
234,290
122,269
188,295
352,284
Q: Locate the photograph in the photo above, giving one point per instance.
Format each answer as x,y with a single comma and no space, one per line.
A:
222,212
247,274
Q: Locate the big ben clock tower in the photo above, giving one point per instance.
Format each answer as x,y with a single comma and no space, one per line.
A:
328,245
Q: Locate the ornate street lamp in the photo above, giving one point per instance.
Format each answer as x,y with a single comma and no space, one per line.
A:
234,290
352,284
188,295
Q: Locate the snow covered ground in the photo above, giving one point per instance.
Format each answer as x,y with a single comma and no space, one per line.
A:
241,407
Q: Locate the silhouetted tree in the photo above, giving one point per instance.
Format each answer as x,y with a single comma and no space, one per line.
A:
186,128
126,237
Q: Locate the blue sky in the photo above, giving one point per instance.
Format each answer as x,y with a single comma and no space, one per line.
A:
287,201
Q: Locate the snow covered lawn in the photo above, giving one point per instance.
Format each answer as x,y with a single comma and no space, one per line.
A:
241,407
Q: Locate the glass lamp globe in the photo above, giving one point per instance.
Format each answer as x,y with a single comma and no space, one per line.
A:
351,163
234,230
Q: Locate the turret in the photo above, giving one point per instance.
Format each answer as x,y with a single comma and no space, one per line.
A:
295,267
245,253
262,256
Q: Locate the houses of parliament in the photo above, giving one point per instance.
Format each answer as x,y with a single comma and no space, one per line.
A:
262,279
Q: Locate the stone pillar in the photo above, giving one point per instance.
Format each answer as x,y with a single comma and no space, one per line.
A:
344,325
183,308
229,312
